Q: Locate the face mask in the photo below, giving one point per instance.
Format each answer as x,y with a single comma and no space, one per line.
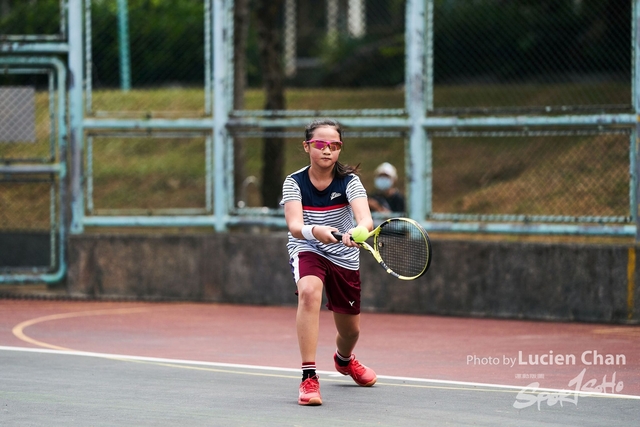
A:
383,183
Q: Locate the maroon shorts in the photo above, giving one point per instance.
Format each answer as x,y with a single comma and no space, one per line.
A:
341,285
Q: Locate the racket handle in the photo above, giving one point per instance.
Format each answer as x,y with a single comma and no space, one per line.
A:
338,235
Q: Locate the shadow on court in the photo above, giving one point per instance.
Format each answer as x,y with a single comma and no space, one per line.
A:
139,364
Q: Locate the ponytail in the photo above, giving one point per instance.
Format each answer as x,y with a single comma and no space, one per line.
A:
342,170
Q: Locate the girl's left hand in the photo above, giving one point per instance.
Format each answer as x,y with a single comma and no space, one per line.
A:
346,239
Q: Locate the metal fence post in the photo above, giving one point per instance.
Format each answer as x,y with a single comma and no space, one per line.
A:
416,107
634,189
123,39
76,113
222,39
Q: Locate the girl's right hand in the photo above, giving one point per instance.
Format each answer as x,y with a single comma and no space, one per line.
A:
323,234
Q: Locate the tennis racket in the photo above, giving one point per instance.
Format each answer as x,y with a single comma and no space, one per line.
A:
401,246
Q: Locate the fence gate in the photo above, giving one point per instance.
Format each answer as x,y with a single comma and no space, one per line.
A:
32,169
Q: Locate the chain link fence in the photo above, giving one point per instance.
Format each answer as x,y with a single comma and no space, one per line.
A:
141,174
33,20
340,43
148,59
532,56
534,176
346,58
28,201
490,57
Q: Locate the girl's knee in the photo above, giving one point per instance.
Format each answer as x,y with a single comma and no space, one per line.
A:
309,295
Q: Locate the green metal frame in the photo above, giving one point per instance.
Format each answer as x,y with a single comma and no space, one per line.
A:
413,120
221,123
59,168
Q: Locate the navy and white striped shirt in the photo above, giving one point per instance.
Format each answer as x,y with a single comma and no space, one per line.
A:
330,207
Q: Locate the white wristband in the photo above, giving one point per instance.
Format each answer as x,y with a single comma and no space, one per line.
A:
307,232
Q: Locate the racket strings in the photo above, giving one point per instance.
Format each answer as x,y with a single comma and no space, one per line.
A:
403,248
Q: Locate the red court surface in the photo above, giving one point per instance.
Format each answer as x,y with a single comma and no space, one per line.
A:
590,357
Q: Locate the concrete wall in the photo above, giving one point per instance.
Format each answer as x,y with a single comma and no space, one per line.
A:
25,249
496,279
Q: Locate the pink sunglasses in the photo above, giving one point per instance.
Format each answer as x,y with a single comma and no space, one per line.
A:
320,145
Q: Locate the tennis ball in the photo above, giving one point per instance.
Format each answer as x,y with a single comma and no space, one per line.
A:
360,234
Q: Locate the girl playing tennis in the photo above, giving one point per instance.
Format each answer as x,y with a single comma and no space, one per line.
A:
318,199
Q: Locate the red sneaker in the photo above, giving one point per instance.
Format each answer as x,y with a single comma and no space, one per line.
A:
310,392
362,375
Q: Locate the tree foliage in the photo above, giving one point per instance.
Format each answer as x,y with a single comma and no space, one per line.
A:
508,39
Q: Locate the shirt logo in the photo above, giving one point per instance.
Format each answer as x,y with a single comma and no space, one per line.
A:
334,195
351,303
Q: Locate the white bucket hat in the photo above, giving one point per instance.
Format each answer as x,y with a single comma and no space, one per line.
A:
387,169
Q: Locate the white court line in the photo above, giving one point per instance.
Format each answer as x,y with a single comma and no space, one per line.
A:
273,368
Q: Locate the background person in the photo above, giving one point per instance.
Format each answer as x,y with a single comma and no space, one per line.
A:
387,197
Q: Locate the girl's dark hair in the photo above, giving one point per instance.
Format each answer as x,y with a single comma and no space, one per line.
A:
340,169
